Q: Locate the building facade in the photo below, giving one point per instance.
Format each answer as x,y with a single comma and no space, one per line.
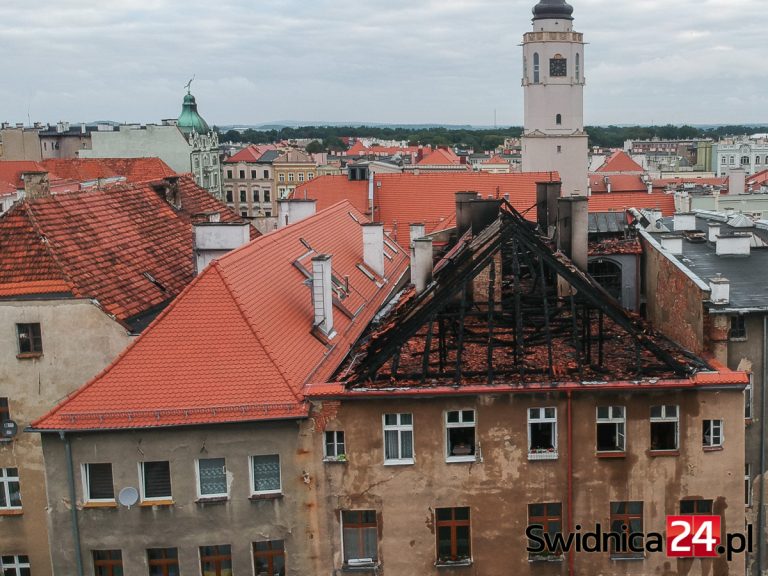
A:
749,154
249,182
291,170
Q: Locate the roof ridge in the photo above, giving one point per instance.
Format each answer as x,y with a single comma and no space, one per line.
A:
216,266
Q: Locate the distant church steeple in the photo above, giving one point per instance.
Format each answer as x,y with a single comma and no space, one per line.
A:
553,86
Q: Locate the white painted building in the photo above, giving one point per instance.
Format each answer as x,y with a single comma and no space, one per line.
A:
553,84
751,154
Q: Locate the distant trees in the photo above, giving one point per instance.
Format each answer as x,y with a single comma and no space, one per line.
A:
314,147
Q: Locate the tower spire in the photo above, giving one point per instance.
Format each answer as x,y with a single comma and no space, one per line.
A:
553,9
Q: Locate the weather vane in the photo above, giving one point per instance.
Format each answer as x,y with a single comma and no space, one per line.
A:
188,84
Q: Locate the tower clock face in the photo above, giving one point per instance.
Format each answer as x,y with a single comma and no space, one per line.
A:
558,67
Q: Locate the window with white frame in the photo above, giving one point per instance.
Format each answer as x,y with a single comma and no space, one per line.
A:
460,436
542,433
155,480
398,438
212,478
712,433
290,176
301,176
664,428
10,489
97,483
14,566
334,445
265,474
360,536
611,422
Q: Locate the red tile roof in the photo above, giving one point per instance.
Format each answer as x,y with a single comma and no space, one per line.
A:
11,171
620,161
250,153
87,169
496,159
103,243
664,182
757,179
237,344
440,157
620,201
619,183
406,198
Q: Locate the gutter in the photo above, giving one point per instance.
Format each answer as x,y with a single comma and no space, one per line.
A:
73,503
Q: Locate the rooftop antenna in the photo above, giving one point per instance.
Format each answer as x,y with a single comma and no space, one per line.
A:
188,84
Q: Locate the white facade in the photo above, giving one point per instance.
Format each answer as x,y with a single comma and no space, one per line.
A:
553,85
747,153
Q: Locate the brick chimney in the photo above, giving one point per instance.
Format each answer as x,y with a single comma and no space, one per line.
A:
573,228
322,294
36,184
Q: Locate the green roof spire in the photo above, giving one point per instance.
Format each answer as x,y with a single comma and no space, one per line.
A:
190,119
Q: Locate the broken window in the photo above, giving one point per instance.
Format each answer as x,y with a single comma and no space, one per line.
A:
738,329
712,433
108,562
216,560
627,517
163,561
212,477
334,445
664,428
269,558
398,438
30,339
546,518
542,433
453,535
10,492
156,480
610,429
97,483
360,535
695,506
460,432
265,474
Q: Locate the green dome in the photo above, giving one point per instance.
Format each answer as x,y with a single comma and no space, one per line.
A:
190,120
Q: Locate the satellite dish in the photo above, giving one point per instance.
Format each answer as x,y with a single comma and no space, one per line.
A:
8,430
128,496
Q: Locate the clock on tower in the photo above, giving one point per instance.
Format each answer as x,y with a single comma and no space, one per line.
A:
558,66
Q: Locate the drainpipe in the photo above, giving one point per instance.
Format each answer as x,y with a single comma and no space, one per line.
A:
761,510
73,503
571,557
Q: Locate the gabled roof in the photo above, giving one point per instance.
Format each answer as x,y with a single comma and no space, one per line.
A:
619,183
620,161
238,343
620,201
403,199
496,159
295,157
440,157
87,169
11,171
122,245
251,153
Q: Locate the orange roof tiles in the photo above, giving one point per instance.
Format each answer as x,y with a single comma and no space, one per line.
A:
758,178
103,244
440,157
620,161
620,201
87,169
619,183
250,153
11,171
237,344
496,159
402,199
663,182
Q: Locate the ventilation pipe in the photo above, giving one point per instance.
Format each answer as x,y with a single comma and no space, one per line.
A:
322,294
373,247
421,263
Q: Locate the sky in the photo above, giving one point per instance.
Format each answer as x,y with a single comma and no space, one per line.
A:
382,61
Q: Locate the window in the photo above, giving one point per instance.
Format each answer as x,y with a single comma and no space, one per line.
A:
242,174
163,561
212,478
266,196
30,340
216,560
267,213
453,535
664,428
578,67
242,196
550,517
460,436
360,534
15,565
290,176
723,160
108,562
747,486
269,558
266,174
712,433
5,412
334,445
301,176
744,160
253,174
310,175
738,329
732,160
97,483
559,119
244,213
627,517
230,197
398,438
10,491
695,506
535,67
747,400
229,173
542,433
155,480
255,195
281,177
265,474
559,149
610,429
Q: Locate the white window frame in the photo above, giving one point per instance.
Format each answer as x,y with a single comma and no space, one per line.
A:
198,486
144,497
336,456
281,177
301,176
542,418
717,435
616,420
17,565
460,424
5,486
290,176
665,417
252,478
86,476
399,428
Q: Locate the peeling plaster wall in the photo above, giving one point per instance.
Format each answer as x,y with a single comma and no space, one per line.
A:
499,487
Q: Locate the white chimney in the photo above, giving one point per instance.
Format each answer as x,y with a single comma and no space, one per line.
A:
421,263
720,289
322,294
214,239
672,243
650,187
370,192
713,232
737,179
684,222
293,210
417,231
736,244
373,247
607,181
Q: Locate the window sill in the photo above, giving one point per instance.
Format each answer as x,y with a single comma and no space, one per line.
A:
542,455
549,558
662,453
211,499
399,462
712,448
609,455
361,568
274,496
29,355
453,564
110,504
625,558
12,512
335,461
153,503
459,459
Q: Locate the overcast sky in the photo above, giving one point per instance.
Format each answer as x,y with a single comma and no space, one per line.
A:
395,61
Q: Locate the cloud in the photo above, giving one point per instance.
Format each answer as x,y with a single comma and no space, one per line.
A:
450,61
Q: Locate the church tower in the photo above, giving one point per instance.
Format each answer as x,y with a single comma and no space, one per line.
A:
553,85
